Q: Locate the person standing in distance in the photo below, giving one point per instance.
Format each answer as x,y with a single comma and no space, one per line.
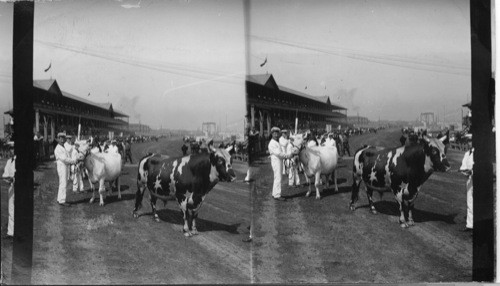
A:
9,177
63,161
277,155
466,169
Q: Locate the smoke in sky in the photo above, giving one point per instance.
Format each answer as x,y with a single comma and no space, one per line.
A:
345,98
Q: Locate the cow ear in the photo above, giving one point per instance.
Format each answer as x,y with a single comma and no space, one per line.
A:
211,148
426,139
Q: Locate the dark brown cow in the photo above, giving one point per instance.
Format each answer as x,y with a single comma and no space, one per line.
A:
188,179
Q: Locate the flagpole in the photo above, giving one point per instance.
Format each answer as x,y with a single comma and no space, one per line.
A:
296,119
79,128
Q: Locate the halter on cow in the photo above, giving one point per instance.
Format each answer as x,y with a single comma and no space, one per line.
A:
316,161
101,167
188,179
402,170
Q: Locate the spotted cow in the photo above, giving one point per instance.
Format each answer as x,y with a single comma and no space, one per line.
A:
402,170
187,179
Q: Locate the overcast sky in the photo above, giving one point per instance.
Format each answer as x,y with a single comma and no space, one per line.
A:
173,64
177,63
393,59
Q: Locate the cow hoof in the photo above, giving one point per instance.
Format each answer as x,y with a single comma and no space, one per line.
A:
336,190
157,219
352,207
411,223
194,232
119,197
188,234
307,194
373,211
91,201
101,204
403,225
136,215
318,197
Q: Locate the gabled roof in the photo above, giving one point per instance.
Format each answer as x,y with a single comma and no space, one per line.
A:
51,84
44,84
263,79
268,80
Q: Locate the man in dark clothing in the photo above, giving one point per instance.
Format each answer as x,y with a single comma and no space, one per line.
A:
128,151
402,139
184,149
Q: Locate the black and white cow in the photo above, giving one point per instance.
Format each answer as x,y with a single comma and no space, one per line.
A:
402,170
187,179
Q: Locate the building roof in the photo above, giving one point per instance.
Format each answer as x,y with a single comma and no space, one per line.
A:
46,84
268,79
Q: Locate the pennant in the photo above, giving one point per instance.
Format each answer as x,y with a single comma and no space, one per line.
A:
262,64
47,69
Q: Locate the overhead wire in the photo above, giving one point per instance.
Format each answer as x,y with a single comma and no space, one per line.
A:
392,60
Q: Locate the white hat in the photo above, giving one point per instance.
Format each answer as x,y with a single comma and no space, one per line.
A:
275,129
61,134
10,144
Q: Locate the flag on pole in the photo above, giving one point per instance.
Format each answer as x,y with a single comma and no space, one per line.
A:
262,64
47,69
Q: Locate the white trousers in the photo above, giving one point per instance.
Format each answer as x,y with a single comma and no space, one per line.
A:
10,224
293,176
277,169
470,221
62,171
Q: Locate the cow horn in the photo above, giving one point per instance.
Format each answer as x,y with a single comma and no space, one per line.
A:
443,138
426,139
229,148
211,148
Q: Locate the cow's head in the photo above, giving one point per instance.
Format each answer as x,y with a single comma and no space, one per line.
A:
83,148
434,152
298,140
221,160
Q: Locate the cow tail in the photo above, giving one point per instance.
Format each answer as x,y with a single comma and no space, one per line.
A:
139,194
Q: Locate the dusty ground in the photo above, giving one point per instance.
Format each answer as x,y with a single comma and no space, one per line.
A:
89,244
314,241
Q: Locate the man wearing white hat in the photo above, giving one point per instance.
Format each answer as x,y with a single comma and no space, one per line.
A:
63,160
277,155
9,176
284,141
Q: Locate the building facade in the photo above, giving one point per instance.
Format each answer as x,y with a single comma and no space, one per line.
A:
269,104
57,110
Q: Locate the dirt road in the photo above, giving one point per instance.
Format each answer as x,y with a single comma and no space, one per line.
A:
309,240
89,244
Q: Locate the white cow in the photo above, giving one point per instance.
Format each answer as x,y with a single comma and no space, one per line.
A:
102,167
316,161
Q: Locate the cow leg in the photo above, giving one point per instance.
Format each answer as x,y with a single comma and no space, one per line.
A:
153,207
334,177
356,182
102,191
118,186
139,194
399,198
185,229
411,204
308,180
194,229
92,189
369,195
317,184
